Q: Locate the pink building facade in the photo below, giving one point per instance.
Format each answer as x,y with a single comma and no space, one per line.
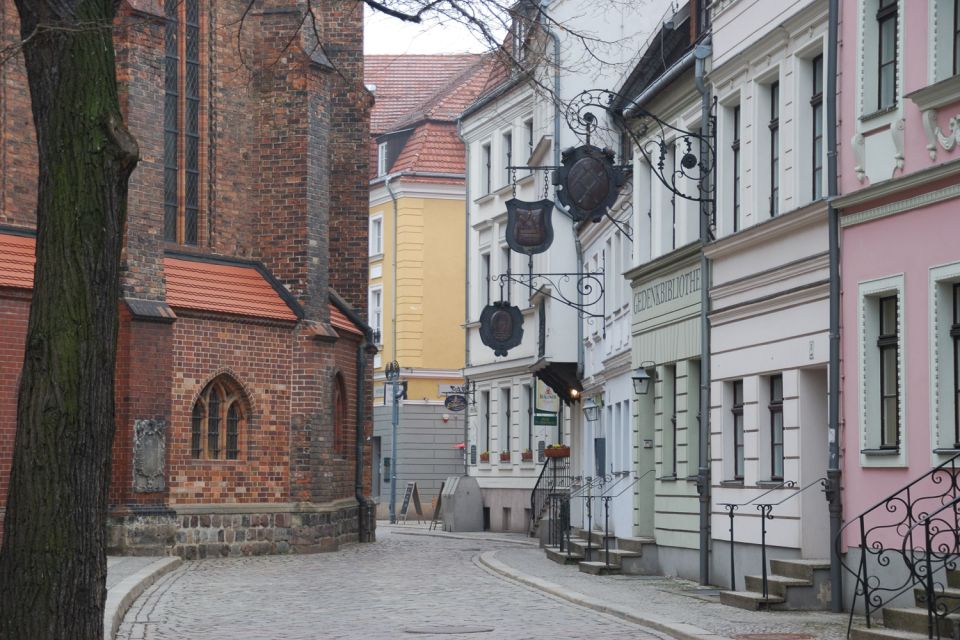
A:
899,173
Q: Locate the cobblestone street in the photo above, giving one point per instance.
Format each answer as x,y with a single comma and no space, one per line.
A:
402,585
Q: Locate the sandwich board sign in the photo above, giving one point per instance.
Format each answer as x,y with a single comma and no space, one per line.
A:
411,492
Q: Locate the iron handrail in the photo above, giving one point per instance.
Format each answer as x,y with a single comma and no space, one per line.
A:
606,515
766,513
731,507
902,504
553,475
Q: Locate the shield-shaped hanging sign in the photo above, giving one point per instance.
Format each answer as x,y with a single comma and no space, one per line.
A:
588,183
529,225
501,327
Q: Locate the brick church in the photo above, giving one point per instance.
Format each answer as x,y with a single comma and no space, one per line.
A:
243,394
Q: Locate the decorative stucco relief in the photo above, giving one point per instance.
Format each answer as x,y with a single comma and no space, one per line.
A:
935,134
858,149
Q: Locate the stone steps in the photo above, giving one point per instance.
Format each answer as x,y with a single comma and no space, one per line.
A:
626,555
749,600
791,584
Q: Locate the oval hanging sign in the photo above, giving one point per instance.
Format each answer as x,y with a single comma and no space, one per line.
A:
455,402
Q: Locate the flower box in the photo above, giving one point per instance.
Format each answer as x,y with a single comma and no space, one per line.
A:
484,457
504,456
557,452
526,456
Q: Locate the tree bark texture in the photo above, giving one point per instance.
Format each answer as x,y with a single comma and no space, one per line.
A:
53,559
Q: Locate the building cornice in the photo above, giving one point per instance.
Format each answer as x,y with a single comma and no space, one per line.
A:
888,188
767,230
779,273
664,263
807,293
892,208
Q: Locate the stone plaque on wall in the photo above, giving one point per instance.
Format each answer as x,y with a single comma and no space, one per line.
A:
149,455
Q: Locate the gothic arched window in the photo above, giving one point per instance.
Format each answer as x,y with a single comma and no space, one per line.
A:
339,414
218,418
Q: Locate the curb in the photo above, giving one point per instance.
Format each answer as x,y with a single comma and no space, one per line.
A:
120,597
678,630
444,534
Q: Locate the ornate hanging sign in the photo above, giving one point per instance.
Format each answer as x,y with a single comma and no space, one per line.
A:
588,183
529,225
501,327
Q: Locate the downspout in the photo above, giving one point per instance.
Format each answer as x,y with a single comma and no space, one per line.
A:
833,222
702,52
466,297
362,505
393,196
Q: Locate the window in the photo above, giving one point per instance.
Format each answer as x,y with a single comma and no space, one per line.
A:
505,269
507,157
485,169
887,54
776,427
735,146
218,417
671,162
955,341
340,405
485,278
888,344
485,420
774,148
375,318
956,37
181,122
376,235
528,413
528,128
672,470
737,411
816,106
382,159
505,411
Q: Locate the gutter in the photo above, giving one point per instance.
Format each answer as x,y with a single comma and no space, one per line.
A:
701,52
466,297
833,385
417,174
685,63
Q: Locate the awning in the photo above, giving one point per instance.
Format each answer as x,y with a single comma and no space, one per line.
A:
559,376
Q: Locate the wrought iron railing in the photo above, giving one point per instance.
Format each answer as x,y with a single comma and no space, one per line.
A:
612,491
555,476
912,536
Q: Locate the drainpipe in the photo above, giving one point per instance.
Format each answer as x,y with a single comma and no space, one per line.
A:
361,401
833,221
466,297
393,196
702,52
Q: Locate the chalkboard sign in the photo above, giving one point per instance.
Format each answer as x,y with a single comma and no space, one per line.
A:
415,494
436,509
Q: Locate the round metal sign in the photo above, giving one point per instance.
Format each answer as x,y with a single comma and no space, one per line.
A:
501,327
455,402
588,183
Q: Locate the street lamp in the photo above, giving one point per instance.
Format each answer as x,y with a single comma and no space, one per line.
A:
392,373
641,379
591,410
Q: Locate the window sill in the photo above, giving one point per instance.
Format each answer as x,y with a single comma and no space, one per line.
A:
771,484
487,197
503,190
946,452
732,484
667,478
937,95
376,256
880,452
878,114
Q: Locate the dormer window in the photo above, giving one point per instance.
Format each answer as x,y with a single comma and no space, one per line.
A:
382,159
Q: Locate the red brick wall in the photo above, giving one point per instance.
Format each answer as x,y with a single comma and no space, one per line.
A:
259,358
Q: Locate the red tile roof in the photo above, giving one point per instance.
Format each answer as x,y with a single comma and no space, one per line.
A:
405,82
223,288
433,147
16,260
341,321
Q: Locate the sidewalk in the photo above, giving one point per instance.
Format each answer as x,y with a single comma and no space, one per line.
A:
680,608
127,578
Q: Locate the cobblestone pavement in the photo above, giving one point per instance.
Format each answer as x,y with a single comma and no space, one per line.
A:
401,586
681,601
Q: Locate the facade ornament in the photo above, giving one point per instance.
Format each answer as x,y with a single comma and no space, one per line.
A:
857,143
935,134
896,131
149,455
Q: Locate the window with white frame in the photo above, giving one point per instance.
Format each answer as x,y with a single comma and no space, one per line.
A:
736,410
485,176
485,283
774,148
956,37
504,270
382,159
375,316
669,433
507,145
816,128
880,315
484,421
376,235
735,166
505,436
528,129
945,357
887,23
526,431
775,407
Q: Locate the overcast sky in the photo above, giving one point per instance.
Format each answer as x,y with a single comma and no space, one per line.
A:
388,35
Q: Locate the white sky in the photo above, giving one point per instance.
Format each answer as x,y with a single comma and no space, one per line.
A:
386,35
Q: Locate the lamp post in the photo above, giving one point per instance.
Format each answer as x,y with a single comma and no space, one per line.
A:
392,372
591,410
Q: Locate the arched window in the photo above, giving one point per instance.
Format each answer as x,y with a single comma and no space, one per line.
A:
218,417
339,414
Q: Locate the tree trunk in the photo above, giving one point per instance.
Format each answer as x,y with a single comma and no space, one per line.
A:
53,558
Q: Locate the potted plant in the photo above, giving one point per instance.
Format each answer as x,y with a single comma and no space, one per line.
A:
484,456
526,455
558,450
504,456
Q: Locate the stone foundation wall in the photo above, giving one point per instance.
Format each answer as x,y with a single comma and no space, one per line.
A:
214,531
